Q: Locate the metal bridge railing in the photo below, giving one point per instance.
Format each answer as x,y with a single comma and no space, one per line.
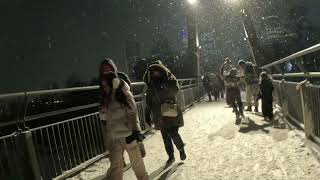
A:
65,146
298,99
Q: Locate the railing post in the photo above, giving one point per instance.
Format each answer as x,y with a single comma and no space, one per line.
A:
284,104
181,100
308,107
305,113
26,156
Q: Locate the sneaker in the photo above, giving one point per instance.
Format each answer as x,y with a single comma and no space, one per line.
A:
183,155
249,108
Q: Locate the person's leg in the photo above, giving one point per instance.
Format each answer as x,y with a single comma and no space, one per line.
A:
167,143
240,105
176,138
209,94
264,108
234,104
255,89
115,170
248,98
136,161
269,110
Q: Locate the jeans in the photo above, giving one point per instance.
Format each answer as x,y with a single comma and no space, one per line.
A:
169,135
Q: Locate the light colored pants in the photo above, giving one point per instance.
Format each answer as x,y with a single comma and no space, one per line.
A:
117,148
252,92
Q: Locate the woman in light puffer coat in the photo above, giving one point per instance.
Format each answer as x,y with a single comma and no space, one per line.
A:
123,127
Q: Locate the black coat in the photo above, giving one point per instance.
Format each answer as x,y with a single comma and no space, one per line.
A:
266,89
157,94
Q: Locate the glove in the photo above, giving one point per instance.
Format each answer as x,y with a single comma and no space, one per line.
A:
130,139
135,136
138,136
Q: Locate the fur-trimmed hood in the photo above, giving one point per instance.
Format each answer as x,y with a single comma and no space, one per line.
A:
158,66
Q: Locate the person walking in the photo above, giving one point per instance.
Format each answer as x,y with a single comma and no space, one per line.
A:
241,68
224,71
161,100
265,94
252,81
207,84
233,88
119,111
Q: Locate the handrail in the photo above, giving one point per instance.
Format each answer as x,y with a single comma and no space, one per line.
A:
293,56
55,91
309,74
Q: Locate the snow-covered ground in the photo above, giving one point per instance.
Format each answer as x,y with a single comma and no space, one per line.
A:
219,149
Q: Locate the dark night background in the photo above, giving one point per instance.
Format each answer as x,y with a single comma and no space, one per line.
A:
50,43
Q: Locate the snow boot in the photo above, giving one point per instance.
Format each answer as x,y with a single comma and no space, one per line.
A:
170,161
183,155
238,119
249,108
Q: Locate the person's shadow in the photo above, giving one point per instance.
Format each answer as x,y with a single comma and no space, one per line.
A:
252,126
166,171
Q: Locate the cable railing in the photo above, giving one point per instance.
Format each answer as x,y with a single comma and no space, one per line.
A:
66,145
295,92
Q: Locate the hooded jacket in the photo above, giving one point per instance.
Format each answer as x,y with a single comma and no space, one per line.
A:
166,88
108,65
121,119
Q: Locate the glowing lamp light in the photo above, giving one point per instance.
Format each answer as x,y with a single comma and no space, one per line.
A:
192,2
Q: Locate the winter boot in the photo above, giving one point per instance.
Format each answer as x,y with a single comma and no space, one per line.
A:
183,155
238,119
256,109
170,160
249,108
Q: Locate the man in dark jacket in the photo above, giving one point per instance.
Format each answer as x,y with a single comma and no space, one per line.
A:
163,88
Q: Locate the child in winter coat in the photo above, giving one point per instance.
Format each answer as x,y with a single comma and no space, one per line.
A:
265,94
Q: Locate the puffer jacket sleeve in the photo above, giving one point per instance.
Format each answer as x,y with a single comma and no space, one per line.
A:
132,113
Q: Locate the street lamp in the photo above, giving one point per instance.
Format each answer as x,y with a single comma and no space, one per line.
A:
193,40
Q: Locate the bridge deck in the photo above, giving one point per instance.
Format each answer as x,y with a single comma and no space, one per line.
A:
219,149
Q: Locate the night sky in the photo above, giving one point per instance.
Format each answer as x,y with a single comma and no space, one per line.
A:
46,41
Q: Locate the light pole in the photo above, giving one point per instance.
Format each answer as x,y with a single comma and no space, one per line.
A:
193,39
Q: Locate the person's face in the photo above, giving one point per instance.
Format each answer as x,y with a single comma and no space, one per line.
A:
106,68
156,75
106,87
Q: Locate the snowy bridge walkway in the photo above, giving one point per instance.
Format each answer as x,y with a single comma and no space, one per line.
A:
219,149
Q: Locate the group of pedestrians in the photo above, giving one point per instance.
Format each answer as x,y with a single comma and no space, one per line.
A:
119,116
245,76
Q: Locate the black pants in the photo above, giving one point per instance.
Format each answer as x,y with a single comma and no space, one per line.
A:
267,109
235,100
169,135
